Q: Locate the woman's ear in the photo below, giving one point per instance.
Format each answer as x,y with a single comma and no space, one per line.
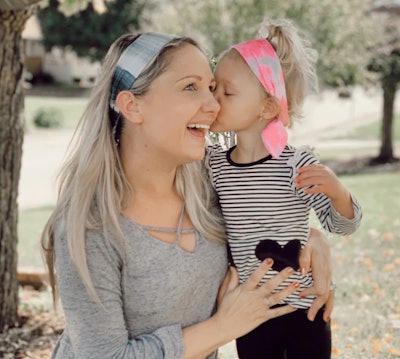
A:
271,108
128,105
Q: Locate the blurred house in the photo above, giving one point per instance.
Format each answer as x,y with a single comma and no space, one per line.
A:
61,63
388,6
32,46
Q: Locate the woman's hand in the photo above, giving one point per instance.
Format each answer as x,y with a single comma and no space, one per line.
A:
244,307
241,309
317,254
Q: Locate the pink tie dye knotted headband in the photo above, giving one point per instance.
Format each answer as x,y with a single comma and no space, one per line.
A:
264,62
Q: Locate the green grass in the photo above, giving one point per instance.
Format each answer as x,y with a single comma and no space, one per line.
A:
373,131
367,272
367,133
30,226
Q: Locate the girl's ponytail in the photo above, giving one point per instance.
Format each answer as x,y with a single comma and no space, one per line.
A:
298,60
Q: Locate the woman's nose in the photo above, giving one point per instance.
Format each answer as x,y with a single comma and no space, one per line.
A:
212,104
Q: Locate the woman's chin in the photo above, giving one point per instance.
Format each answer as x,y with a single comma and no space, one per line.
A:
197,155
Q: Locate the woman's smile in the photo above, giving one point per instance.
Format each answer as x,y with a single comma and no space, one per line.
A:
198,130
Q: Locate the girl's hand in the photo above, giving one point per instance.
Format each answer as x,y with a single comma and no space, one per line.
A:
244,307
320,179
224,285
317,255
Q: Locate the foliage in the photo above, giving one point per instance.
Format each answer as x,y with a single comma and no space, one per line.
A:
41,78
48,117
89,32
386,57
341,31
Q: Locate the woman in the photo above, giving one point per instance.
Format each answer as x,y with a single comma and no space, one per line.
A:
137,239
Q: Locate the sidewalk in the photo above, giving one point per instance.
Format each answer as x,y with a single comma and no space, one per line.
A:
43,153
326,116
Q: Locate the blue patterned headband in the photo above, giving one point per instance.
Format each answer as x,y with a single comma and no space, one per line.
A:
133,61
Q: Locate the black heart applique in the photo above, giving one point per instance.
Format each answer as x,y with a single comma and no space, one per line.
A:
283,256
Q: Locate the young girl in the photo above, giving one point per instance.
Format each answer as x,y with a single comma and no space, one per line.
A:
267,187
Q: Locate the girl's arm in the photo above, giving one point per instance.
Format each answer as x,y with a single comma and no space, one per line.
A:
323,180
338,211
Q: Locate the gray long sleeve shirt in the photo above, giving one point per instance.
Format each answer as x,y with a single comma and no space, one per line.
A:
147,300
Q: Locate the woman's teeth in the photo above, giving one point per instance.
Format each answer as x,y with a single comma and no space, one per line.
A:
198,129
199,126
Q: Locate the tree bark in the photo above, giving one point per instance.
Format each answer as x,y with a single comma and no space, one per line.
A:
12,23
386,149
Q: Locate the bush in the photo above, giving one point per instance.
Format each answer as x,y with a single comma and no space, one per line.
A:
48,117
41,78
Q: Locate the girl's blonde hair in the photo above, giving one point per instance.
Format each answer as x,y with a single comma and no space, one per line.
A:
92,184
298,61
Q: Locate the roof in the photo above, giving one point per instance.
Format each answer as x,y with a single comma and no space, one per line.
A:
389,6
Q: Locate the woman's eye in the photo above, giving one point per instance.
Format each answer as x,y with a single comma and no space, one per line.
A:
213,88
191,87
227,94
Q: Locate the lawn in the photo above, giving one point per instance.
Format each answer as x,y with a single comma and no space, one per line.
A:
31,223
372,131
366,318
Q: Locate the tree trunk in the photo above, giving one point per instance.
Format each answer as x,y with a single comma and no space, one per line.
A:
12,23
386,149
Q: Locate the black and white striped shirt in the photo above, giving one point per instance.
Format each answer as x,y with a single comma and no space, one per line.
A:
262,207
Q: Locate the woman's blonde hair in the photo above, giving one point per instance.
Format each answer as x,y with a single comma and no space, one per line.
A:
298,61
92,184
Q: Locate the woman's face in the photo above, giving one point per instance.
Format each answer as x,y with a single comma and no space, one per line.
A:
239,94
179,108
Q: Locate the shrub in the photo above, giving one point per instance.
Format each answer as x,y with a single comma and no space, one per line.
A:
48,117
41,78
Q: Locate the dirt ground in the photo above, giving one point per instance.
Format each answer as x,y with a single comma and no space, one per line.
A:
38,329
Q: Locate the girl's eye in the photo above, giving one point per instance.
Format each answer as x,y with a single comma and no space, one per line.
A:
228,92
191,87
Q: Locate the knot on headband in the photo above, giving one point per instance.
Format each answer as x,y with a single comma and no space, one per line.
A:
262,59
134,60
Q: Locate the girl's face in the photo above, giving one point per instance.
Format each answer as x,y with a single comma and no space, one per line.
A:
239,94
179,108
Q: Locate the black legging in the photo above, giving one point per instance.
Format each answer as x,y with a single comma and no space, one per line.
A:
290,336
